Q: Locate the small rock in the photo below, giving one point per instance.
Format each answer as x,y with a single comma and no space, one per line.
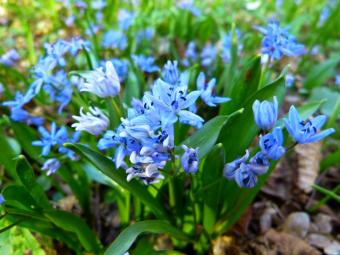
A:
319,241
297,224
323,222
333,248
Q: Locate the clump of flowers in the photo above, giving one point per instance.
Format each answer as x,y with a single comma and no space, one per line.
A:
144,141
271,144
278,42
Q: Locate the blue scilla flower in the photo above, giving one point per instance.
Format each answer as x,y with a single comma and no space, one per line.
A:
121,66
51,166
190,160
59,88
125,19
306,131
148,174
259,164
265,113
115,40
145,63
42,73
208,95
2,199
109,140
170,72
227,44
57,51
102,83
271,144
20,99
190,55
21,115
93,122
230,168
245,177
208,55
50,138
10,57
172,103
56,137
278,42
245,174
77,44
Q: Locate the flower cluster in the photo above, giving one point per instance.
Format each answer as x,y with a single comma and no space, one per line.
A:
56,84
146,135
278,42
271,144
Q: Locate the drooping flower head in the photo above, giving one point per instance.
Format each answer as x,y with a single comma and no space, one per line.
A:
102,83
190,160
271,144
230,168
93,122
306,131
265,113
51,166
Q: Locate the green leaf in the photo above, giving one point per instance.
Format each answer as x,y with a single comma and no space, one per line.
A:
243,86
25,135
73,223
27,179
124,241
327,192
212,177
132,89
7,156
330,96
74,177
107,167
320,73
18,196
205,138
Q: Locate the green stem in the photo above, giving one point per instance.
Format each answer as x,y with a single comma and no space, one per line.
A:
324,200
264,73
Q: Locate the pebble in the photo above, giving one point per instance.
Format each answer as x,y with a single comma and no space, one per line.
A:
297,224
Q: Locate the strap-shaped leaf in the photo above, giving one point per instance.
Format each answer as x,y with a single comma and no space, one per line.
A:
73,223
107,167
27,179
124,241
205,138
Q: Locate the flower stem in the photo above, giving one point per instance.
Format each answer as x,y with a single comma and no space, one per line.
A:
264,73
